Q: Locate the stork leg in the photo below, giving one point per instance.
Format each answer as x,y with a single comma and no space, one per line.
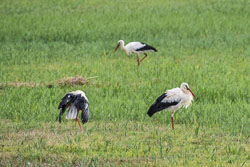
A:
138,60
172,118
77,120
76,117
144,57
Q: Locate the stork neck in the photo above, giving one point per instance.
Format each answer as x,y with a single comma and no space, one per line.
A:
122,44
184,91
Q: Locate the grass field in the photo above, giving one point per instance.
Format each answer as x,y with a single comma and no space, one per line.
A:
204,43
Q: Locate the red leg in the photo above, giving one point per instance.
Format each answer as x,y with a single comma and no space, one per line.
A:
77,120
138,60
144,57
79,123
76,117
172,118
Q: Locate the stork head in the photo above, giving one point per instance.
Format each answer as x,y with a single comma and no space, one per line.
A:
185,88
120,42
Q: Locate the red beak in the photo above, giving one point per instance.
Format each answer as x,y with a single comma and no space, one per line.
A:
191,92
117,46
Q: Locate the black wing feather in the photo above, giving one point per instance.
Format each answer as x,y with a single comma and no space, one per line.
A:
66,100
158,105
61,113
146,47
161,97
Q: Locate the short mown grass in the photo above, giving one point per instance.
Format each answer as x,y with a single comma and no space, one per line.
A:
119,143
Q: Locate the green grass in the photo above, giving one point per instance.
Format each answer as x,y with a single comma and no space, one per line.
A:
204,43
134,143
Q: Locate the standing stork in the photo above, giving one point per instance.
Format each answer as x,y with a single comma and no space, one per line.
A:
172,100
76,101
137,48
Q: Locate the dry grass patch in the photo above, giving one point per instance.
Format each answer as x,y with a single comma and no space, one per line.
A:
67,81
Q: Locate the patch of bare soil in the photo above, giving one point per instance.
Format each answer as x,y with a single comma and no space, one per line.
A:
67,81
19,84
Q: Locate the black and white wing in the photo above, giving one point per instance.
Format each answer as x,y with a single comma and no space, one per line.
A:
137,47
166,100
65,103
81,103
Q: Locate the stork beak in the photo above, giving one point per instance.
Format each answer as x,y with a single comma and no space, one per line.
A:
117,46
191,92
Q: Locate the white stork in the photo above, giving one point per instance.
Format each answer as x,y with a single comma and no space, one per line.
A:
76,101
137,48
172,100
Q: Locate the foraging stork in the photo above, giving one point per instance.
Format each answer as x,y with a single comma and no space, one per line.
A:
137,48
76,101
172,100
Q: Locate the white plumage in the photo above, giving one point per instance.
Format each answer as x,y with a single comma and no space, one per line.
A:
172,100
79,92
71,114
136,48
177,94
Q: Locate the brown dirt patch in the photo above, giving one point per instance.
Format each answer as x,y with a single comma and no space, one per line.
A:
67,81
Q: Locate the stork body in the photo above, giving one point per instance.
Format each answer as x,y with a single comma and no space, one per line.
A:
172,100
136,48
75,101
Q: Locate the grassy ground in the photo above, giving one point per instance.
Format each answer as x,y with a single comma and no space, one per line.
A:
204,43
119,143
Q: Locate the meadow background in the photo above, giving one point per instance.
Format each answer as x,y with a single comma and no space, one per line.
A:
204,43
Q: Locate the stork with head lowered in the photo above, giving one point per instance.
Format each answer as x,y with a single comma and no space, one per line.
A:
76,101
